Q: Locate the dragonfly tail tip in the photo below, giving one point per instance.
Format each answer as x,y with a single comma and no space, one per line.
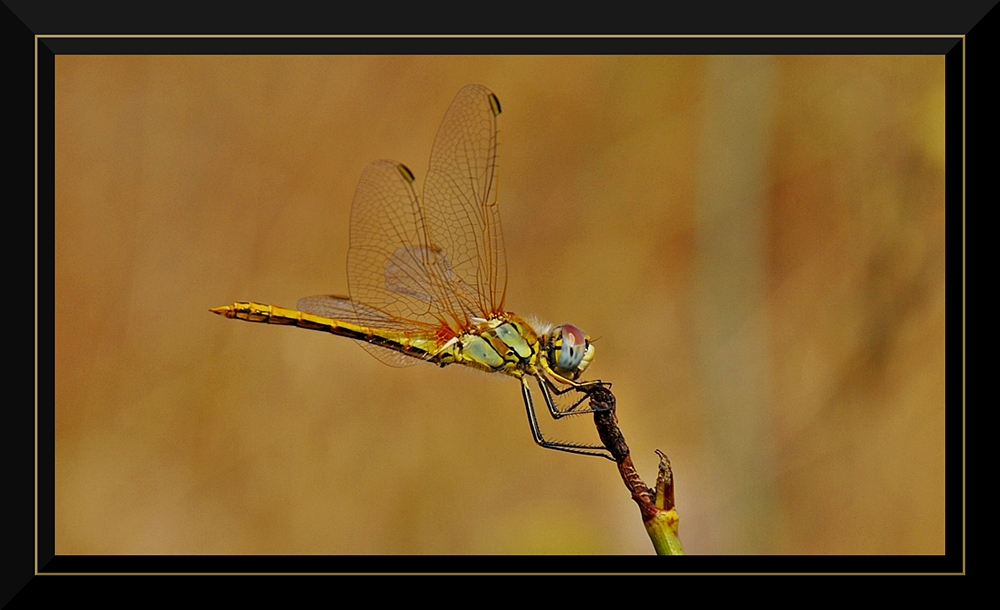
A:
225,310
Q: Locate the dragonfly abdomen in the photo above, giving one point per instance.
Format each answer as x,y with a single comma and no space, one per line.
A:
406,343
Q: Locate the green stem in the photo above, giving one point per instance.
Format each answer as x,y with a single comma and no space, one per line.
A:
662,530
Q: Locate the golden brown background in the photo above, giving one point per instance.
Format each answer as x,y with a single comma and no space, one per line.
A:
756,242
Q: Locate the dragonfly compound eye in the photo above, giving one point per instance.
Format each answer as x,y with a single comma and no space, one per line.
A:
570,347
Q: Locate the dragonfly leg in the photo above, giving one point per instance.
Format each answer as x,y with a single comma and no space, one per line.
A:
548,389
536,431
583,387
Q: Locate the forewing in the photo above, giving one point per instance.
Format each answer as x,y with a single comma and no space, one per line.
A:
439,262
392,266
460,200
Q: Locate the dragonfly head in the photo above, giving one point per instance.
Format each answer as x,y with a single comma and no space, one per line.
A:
569,351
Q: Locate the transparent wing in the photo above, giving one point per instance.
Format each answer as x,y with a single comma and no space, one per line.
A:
437,262
460,200
392,265
342,308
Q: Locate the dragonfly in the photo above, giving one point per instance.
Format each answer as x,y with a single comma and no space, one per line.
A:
427,275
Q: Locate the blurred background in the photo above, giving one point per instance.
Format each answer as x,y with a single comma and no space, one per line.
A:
756,243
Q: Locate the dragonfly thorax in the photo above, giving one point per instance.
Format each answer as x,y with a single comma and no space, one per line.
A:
503,343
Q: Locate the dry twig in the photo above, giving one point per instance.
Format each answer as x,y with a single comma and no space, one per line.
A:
656,505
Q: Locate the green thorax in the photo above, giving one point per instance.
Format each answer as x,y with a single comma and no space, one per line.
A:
504,343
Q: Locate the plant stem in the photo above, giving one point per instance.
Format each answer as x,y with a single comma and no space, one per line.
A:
656,506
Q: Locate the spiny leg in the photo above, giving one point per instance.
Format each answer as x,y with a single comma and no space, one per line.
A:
583,387
548,388
536,431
